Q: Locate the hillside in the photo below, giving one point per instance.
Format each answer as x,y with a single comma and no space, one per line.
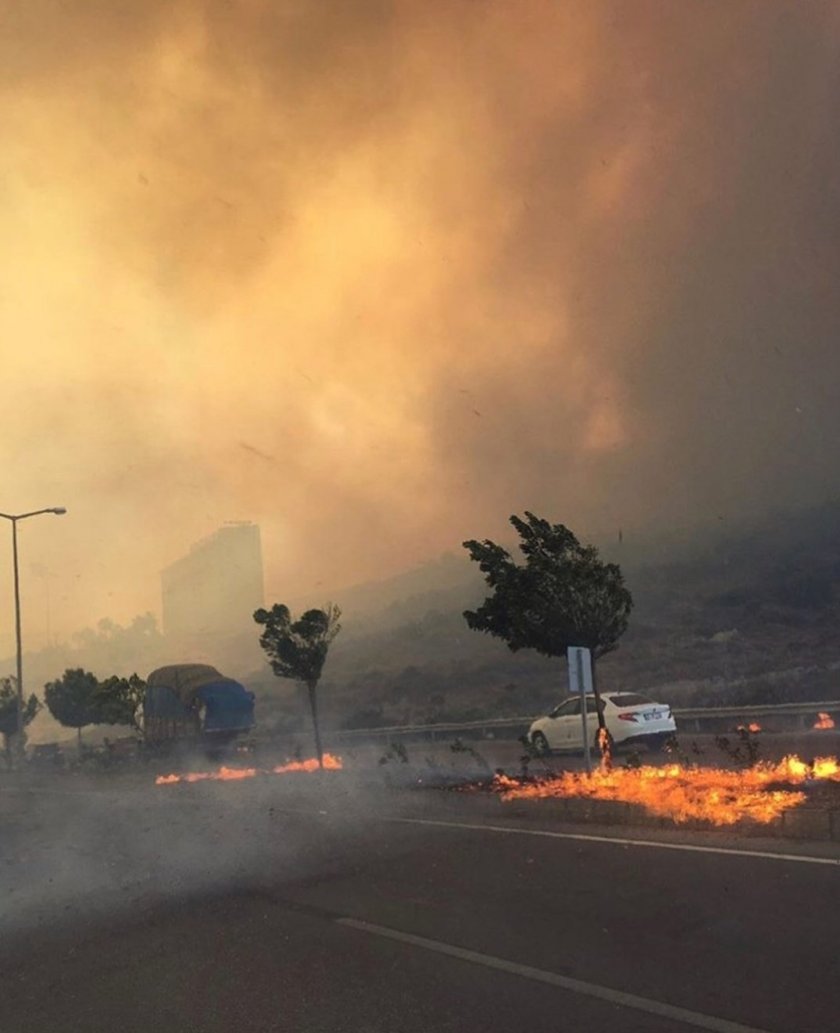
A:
716,620
745,614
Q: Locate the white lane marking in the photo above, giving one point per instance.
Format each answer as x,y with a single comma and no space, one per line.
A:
690,847
577,986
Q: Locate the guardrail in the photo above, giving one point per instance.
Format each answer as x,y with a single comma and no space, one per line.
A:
799,715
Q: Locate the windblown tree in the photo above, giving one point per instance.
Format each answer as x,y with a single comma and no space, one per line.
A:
117,701
72,700
9,714
563,595
298,649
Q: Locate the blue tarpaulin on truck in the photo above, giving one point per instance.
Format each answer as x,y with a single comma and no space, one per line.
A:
161,701
228,706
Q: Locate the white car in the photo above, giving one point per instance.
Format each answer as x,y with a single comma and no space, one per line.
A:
629,717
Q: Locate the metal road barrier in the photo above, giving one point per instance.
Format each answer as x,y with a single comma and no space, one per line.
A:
777,717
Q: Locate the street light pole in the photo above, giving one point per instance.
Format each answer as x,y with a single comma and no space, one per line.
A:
18,645
13,518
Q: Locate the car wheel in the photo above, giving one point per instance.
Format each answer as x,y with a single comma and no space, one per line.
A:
540,744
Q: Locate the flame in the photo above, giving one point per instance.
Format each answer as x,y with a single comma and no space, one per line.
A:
225,774
685,793
331,763
605,746
824,721
753,727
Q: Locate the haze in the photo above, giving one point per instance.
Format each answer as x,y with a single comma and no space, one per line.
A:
376,275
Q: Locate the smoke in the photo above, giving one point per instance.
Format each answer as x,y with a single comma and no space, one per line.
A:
93,852
376,275
81,848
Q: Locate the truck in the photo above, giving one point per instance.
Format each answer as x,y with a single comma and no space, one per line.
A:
194,704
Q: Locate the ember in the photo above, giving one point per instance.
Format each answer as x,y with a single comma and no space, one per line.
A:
685,793
824,721
224,774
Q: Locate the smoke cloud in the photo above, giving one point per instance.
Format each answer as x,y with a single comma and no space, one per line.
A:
376,275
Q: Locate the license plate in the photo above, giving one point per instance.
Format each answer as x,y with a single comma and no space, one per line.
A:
651,715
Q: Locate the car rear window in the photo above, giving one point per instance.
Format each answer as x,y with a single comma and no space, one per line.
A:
630,699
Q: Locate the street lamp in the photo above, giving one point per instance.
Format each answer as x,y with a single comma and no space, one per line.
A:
14,518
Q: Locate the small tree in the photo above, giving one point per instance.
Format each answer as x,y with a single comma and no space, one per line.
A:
72,700
9,714
298,649
563,595
117,701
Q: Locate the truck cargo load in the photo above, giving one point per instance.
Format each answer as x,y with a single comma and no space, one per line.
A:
195,701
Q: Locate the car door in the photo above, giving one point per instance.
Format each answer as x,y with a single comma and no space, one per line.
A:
557,728
576,727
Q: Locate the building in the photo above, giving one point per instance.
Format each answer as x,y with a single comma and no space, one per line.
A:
209,596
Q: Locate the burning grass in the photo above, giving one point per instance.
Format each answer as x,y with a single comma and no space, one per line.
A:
759,794
226,774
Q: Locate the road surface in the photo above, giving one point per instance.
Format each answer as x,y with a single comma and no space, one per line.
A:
258,907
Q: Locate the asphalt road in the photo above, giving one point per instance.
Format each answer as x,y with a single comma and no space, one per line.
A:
271,905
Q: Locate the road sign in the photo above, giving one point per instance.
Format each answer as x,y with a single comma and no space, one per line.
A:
580,681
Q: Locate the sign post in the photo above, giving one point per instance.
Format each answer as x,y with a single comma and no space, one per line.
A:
580,681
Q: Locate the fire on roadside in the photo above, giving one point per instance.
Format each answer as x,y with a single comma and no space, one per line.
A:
752,727
331,763
759,794
823,721
226,774
605,746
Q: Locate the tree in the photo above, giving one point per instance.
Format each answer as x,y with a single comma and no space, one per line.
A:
117,701
9,714
298,649
563,595
109,646
72,700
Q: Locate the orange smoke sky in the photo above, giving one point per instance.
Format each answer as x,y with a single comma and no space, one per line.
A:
376,275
